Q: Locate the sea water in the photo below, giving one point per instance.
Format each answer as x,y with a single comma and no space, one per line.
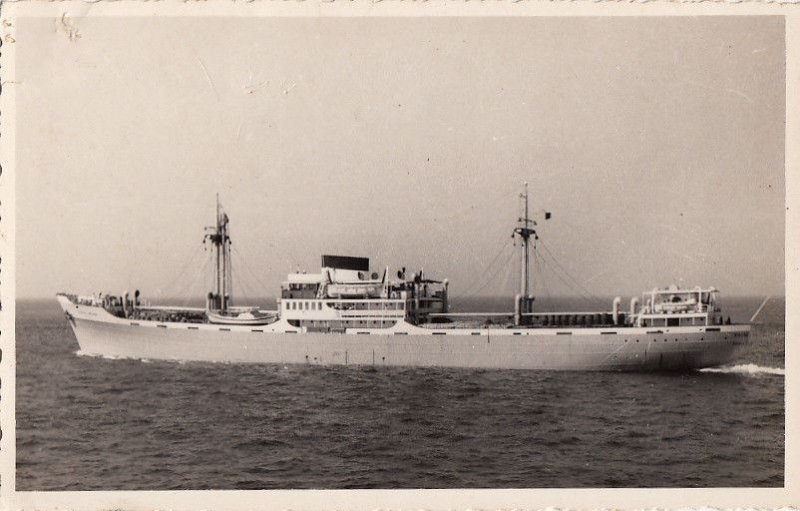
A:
91,423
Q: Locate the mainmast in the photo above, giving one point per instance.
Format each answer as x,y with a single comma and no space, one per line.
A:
218,235
524,301
524,231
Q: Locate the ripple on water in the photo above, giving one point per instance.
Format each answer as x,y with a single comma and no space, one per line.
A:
85,422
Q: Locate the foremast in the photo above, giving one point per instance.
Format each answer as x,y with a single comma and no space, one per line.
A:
220,240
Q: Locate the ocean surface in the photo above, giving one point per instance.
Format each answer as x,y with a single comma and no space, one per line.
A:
89,423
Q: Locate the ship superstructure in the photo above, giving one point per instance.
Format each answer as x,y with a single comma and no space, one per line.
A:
349,314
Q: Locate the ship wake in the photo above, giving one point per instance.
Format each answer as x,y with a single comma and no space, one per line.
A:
746,369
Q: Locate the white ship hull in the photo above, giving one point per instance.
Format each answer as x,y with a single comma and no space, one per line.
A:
608,348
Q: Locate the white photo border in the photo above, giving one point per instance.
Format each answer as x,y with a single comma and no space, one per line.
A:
788,496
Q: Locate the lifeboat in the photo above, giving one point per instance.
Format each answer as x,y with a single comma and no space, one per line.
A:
355,290
688,305
247,317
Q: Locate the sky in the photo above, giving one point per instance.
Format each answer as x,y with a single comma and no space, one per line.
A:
656,143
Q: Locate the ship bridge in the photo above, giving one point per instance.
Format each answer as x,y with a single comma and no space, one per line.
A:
673,306
346,292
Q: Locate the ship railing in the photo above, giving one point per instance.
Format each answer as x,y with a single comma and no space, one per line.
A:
338,302
511,314
662,315
82,299
549,319
365,305
171,308
375,313
471,314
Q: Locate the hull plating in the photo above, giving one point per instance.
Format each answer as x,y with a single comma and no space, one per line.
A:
631,349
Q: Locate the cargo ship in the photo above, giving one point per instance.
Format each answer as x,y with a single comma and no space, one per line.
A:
348,314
